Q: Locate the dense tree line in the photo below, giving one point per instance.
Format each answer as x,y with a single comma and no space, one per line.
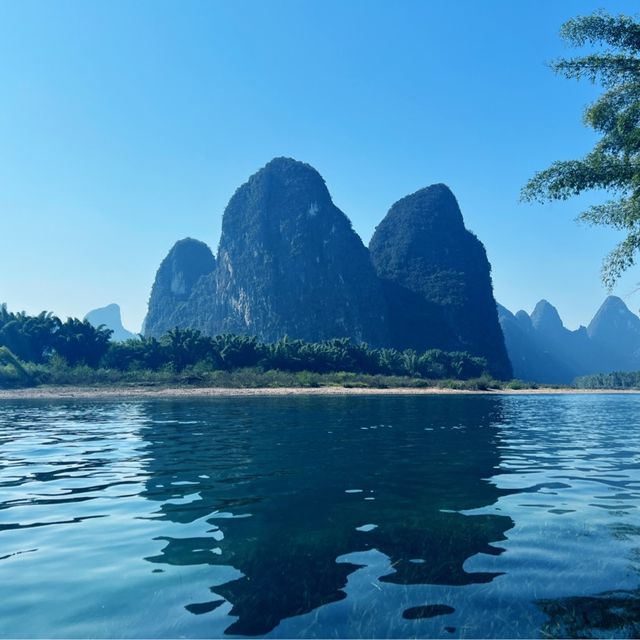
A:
39,339
180,348
614,380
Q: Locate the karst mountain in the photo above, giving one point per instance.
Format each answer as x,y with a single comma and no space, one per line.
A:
290,264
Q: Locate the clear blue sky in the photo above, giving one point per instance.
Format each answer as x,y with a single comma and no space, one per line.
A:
125,126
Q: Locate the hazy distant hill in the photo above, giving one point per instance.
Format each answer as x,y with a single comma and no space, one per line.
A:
290,263
617,330
542,349
110,317
530,360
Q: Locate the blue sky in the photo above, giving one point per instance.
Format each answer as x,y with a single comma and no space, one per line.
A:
125,126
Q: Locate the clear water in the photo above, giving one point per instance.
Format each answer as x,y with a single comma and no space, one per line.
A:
454,516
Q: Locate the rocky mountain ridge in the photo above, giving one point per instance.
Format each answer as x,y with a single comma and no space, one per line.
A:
290,263
542,349
437,279
178,276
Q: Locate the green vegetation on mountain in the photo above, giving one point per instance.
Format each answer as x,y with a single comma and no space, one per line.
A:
179,273
290,264
614,162
437,279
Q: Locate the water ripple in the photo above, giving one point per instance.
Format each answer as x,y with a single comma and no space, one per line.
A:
256,516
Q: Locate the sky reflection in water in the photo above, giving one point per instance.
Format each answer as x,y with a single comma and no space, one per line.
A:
456,516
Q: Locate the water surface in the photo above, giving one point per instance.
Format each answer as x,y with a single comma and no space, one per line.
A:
375,516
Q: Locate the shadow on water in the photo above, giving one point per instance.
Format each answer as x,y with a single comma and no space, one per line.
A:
608,614
288,485
613,614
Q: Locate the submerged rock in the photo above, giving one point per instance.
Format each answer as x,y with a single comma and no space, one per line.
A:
427,611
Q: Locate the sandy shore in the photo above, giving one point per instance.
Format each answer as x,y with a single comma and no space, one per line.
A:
55,393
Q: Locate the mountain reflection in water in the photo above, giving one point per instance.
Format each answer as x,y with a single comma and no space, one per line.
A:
317,517
286,485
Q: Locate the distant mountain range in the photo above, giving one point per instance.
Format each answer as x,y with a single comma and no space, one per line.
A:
289,263
542,349
111,318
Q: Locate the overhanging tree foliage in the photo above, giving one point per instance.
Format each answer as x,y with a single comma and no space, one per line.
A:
614,162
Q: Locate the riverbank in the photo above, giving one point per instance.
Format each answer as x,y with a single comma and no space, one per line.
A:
114,392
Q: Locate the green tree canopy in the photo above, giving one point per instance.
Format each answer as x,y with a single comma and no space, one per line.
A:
44,338
613,61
